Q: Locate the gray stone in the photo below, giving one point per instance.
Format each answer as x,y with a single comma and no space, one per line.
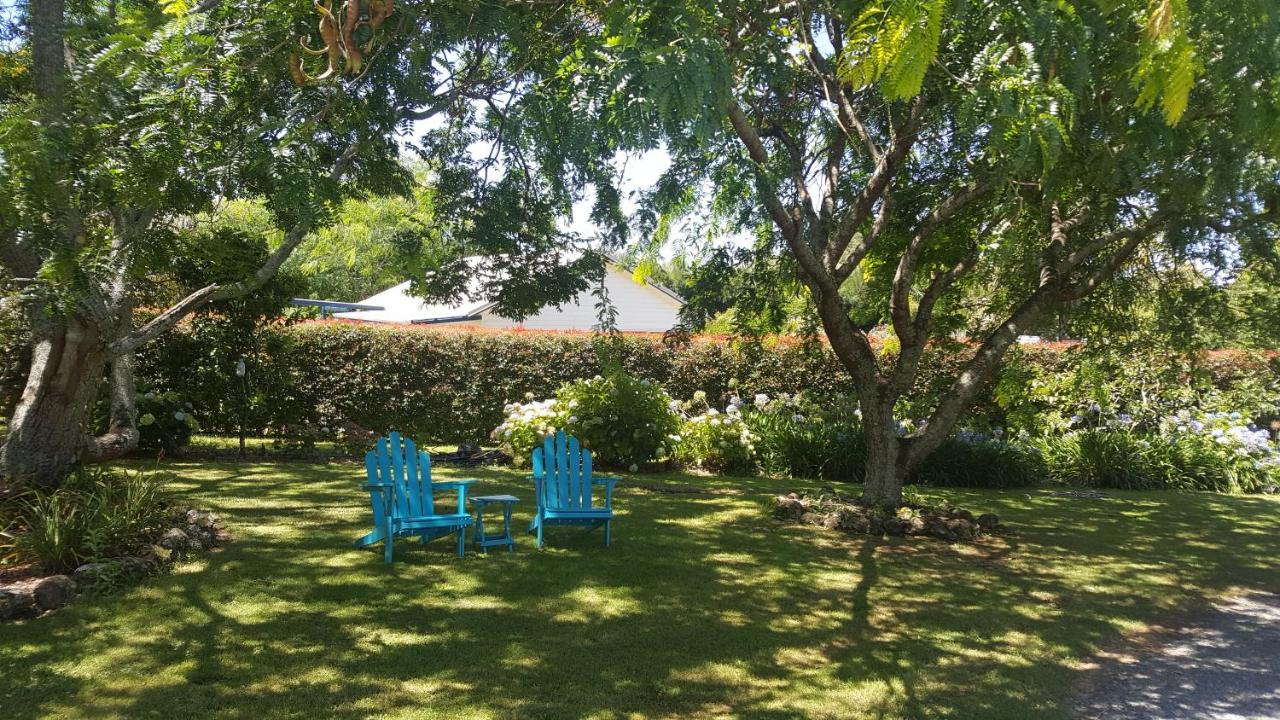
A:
54,591
200,518
937,527
788,508
133,566
852,522
895,526
811,518
961,529
961,514
16,603
988,521
174,539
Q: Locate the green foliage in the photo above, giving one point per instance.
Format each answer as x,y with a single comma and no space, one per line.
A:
98,513
14,356
165,421
968,459
1211,452
1168,64
623,419
449,386
893,43
803,441
373,244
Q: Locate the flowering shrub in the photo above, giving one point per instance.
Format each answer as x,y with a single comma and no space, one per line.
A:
165,421
526,425
1184,451
717,441
622,419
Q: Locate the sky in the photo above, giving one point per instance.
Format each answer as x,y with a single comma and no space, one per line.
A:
639,172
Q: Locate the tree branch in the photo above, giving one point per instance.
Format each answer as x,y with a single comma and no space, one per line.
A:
217,292
904,276
976,374
1081,288
904,137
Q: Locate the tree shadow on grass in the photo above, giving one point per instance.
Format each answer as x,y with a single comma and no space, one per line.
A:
703,607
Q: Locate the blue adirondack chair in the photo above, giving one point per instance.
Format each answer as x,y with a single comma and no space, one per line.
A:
562,484
403,497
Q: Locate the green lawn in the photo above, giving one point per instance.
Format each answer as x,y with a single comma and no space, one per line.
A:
703,607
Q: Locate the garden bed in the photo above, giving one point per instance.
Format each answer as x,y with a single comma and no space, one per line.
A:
26,591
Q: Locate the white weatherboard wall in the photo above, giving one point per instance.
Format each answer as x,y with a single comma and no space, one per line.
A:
641,308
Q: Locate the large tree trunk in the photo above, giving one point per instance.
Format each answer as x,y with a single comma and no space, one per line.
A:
121,437
47,430
885,470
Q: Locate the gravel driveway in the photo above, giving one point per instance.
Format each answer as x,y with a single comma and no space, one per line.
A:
1224,666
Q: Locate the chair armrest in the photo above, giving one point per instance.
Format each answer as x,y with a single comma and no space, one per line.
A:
385,493
608,481
460,486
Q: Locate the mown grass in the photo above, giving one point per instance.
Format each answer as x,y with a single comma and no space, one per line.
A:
703,607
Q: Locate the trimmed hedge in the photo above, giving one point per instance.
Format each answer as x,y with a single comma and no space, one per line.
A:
449,386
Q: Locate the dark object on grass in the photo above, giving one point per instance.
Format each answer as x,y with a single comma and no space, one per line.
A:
847,515
469,454
54,591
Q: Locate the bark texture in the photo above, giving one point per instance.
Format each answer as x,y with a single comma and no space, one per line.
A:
47,430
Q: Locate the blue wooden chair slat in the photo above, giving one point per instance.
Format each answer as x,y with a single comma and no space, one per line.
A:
413,481
402,497
575,477
562,483
586,485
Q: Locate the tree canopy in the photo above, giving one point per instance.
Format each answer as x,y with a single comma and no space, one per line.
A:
976,166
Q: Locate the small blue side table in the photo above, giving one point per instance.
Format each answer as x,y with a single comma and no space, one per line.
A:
486,542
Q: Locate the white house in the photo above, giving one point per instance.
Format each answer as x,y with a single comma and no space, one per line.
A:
641,308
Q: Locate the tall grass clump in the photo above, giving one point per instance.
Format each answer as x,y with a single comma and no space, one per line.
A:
97,513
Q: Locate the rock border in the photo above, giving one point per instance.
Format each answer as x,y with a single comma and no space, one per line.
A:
190,530
845,514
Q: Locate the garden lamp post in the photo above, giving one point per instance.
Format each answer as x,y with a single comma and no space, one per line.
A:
241,372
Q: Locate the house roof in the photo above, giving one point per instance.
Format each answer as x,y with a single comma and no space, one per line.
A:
398,306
